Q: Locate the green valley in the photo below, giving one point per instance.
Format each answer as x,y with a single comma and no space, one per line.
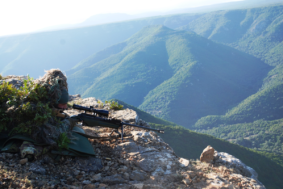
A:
171,74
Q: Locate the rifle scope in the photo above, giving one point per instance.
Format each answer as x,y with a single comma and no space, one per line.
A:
91,109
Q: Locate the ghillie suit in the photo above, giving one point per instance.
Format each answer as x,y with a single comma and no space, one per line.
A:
28,114
56,82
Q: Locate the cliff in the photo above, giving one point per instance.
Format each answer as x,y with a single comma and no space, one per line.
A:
141,160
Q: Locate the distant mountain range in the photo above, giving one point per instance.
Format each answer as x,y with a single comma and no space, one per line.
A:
119,17
171,74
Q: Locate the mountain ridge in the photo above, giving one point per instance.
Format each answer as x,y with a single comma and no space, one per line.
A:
176,56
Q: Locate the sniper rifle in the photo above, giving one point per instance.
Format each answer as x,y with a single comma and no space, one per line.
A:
94,120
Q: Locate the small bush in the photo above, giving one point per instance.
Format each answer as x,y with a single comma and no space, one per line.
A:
63,141
114,105
24,110
100,104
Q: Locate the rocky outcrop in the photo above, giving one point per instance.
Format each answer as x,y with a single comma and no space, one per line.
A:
16,81
142,160
207,155
232,162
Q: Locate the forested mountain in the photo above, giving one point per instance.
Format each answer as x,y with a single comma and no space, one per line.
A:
205,87
257,121
172,74
65,48
256,31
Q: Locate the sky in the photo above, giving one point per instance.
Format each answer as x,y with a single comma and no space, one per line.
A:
23,16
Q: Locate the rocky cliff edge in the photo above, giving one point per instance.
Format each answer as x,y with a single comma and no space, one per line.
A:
142,160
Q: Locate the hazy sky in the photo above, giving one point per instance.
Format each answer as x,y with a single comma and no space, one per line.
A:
21,16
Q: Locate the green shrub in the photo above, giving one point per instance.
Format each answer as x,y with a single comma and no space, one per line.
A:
24,110
114,105
63,141
100,104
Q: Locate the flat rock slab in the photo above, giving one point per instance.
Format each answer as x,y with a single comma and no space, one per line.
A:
126,115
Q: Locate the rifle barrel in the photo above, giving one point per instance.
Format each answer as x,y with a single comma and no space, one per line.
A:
157,130
98,111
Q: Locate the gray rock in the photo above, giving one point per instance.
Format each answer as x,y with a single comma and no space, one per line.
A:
76,172
113,179
146,136
120,186
126,176
89,186
231,161
147,165
96,177
47,159
152,186
89,164
126,115
158,172
86,182
74,97
91,101
184,162
129,147
138,175
37,168
16,82
23,161
123,169
106,168
138,185
9,156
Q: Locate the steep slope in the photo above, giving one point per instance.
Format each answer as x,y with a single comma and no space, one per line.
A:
190,144
171,74
265,104
256,31
260,135
255,122
138,68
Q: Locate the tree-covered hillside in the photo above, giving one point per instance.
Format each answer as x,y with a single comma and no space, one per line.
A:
256,31
176,75
256,121
260,135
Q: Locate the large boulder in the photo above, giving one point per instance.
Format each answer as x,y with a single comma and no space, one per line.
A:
207,155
